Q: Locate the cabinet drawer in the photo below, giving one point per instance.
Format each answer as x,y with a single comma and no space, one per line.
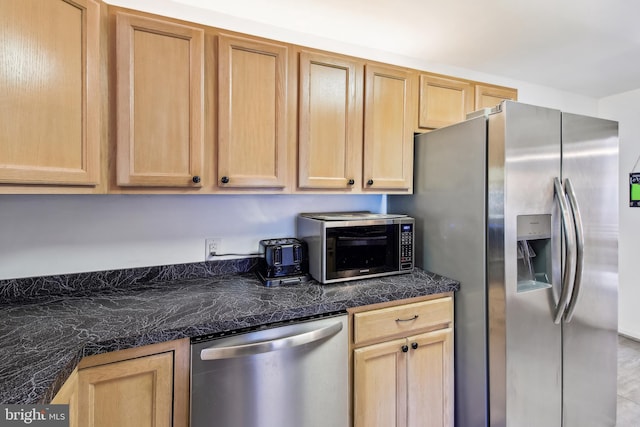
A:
405,319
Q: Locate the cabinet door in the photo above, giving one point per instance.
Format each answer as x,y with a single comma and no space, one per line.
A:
443,101
388,129
380,385
68,395
490,96
252,134
430,379
160,102
49,92
131,393
330,123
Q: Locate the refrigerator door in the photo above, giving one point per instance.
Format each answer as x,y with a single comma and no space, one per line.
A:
590,162
525,366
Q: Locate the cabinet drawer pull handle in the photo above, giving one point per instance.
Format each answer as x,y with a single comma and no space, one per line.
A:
407,320
405,348
414,345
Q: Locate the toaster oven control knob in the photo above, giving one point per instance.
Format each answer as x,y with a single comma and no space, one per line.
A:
196,179
370,182
224,180
351,182
405,348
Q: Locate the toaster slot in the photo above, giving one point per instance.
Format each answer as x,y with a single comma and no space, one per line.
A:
297,254
277,255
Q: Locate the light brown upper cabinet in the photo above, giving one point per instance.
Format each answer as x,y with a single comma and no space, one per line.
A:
49,93
160,105
488,96
252,113
443,101
330,122
389,117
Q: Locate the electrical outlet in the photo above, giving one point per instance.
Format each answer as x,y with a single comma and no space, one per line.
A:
212,248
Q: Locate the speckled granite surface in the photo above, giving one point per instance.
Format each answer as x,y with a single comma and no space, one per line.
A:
43,288
42,339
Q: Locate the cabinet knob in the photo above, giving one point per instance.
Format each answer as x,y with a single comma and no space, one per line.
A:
224,180
351,182
370,182
405,348
196,179
414,345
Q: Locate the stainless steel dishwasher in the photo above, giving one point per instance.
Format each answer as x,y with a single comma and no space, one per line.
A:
292,375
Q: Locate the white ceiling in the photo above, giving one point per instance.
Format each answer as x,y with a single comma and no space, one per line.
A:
589,47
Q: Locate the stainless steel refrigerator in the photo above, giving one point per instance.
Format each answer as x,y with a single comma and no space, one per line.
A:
520,205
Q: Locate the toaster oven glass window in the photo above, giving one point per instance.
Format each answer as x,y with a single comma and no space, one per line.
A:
353,251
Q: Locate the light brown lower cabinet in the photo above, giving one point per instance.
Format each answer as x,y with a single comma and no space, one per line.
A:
140,387
68,395
404,376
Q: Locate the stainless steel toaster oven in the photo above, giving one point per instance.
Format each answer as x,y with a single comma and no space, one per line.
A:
355,245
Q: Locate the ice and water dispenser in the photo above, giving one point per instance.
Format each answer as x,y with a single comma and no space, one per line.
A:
534,252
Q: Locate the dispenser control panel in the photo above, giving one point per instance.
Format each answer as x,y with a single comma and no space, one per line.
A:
531,227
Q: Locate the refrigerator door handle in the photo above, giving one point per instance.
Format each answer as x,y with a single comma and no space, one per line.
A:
577,221
570,245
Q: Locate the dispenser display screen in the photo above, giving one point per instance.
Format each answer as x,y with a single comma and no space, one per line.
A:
634,190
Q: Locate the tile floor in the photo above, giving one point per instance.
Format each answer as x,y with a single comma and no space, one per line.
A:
628,382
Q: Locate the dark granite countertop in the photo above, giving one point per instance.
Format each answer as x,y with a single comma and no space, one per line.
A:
42,340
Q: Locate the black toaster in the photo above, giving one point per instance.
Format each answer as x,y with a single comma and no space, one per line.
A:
285,259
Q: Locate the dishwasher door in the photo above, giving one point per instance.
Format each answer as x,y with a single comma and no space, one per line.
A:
287,376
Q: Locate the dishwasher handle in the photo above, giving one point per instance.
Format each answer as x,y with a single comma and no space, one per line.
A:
290,341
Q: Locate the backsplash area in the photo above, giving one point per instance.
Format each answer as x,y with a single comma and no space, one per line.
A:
45,287
44,235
